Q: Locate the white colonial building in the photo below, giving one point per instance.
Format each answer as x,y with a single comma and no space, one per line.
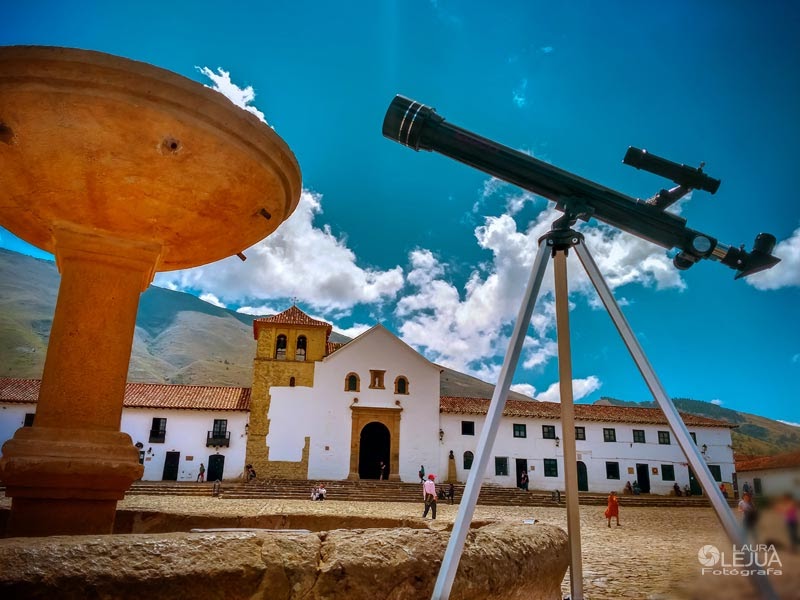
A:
375,388
325,411
175,427
771,476
614,445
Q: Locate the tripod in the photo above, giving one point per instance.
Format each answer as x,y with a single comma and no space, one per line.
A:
557,243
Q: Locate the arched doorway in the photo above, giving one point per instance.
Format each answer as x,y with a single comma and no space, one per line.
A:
362,416
374,447
583,477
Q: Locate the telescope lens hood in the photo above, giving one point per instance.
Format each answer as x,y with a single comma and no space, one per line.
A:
405,122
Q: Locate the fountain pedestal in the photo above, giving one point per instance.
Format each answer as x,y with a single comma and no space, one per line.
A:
120,169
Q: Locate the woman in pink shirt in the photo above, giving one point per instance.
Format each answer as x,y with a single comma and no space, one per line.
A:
429,495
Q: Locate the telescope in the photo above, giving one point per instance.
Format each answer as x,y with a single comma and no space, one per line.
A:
419,127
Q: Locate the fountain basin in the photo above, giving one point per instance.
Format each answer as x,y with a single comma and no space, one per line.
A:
501,560
134,152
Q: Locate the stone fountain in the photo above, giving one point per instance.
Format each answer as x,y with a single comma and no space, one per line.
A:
120,169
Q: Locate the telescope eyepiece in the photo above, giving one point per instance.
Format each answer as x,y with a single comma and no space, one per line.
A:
764,243
405,122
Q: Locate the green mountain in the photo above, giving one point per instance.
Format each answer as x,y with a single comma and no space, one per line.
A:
753,435
178,338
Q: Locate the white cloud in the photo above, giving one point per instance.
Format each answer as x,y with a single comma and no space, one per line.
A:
241,97
524,388
518,96
717,402
623,258
580,389
257,311
297,260
354,331
539,351
789,423
787,272
513,197
211,299
468,329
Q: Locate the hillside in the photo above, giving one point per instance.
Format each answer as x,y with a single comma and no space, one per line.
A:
178,338
753,436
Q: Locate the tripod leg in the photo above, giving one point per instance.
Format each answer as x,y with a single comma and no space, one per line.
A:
568,425
676,424
452,556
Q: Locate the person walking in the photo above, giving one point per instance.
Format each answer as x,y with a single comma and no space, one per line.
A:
201,473
749,516
429,496
421,474
788,508
451,492
612,510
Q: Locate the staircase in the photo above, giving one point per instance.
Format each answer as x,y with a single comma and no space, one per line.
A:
393,491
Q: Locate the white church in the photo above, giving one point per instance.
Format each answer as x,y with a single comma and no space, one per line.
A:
324,411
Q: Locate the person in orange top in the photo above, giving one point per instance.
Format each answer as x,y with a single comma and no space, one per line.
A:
613,508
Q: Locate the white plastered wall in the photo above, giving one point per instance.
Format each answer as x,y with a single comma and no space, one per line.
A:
324,411
593,452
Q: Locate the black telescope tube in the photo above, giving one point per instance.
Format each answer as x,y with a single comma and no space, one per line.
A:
419,127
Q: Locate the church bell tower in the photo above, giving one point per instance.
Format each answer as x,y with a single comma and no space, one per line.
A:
289,344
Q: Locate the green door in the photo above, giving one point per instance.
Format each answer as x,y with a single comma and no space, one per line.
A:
583,477
694,487
171,462
216,465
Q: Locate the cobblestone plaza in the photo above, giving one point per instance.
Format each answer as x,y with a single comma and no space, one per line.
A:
654,554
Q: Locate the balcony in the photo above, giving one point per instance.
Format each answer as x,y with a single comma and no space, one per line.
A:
157,436
218,438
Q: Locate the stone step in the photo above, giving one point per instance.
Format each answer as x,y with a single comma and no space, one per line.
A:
390,491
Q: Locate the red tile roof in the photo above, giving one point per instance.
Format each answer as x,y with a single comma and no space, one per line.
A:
291,316
583,412
195,397
779,461
332,347
22,391
146,395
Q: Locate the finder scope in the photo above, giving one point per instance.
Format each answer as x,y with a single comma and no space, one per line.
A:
419,127
684,175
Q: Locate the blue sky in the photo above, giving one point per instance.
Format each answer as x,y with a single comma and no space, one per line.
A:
439,252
